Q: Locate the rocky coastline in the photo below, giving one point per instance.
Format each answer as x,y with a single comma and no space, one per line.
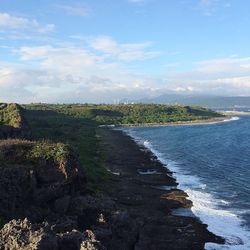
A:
46,203
145,188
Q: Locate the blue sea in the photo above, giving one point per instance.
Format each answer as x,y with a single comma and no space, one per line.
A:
211,162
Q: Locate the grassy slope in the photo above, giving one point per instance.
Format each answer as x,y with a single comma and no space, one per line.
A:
26,152
76,125
60,124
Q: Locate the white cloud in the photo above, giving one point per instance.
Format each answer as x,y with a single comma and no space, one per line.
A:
13,85
72,74
8,21
68,73
218,76
63,59
124,51
101,71
184,89
77,9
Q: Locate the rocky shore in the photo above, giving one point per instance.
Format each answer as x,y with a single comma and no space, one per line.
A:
46,203
145,188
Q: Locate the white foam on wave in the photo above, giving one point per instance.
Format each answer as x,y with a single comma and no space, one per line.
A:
233,118
221,222
146,143
205,206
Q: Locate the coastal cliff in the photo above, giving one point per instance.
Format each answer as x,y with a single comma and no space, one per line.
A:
55,196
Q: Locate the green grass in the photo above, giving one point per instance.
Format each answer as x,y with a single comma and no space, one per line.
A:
25,152
76,126
63,125
11,115
59,152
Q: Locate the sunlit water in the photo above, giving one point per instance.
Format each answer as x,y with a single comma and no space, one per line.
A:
212,164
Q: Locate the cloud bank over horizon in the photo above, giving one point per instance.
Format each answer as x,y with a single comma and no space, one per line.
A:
86,52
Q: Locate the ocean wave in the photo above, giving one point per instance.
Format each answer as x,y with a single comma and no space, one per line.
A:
233,118
222,222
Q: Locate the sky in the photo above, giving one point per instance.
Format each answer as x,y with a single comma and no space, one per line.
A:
107,50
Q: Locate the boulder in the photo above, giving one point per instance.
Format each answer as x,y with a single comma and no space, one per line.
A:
175,199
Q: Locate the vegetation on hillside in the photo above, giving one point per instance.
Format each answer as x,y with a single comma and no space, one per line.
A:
53,127
10,114
149,113
15,151
59,126
123,114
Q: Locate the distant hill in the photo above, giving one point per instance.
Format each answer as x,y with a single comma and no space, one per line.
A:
205,101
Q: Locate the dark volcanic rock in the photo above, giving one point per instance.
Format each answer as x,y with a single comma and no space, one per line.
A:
148,223
61,205
91,210
172,233
124,231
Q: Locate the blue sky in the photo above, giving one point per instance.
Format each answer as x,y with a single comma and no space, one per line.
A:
107,50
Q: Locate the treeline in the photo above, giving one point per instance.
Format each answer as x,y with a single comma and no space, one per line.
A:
123,114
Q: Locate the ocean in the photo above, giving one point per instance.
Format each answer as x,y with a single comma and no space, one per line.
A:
211,162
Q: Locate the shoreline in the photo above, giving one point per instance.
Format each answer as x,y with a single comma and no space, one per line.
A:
144,186
234,112
215,214
178,123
